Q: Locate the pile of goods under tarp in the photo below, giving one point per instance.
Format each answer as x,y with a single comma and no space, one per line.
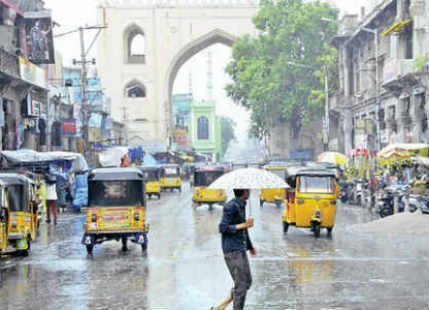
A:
400,223
124,156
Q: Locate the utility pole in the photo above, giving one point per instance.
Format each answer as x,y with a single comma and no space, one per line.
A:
326,132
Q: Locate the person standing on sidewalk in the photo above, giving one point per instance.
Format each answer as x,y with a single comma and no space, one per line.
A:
235,244
51,198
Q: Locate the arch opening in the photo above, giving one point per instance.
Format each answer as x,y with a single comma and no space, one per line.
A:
134,45
135,89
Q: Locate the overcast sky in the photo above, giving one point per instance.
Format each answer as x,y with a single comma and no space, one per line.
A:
72,14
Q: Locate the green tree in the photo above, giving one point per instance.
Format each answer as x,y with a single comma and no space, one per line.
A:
227,132
279,74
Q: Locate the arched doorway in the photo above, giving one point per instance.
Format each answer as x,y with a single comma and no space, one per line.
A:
186,53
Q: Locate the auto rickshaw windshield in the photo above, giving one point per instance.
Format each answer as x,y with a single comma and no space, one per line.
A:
171,172
16,198
151,175
316,184
115,193
205,178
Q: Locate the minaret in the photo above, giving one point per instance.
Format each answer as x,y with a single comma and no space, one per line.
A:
210,75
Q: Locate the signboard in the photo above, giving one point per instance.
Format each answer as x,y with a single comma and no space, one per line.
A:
40,43
33,106
68,127
180,137
32,73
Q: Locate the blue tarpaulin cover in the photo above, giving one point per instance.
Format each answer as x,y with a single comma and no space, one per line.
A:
80,189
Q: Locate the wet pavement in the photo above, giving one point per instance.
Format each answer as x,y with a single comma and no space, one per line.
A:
184,266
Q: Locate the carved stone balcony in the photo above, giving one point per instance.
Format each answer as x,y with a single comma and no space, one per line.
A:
9,64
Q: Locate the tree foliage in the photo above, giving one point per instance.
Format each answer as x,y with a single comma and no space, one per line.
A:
279,74
227,132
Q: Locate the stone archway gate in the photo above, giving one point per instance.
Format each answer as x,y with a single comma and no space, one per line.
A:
174,31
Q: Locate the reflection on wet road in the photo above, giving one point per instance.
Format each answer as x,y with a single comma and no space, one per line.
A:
184,267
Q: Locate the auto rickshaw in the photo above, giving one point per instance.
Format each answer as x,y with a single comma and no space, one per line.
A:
23,215
274,195
170,177
116,208
152,178
4,214
311,200
203,177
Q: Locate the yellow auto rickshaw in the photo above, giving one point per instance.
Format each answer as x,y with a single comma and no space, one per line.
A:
116,208
23,217
152,177
171,177
274,195
203,177
311,200
4,214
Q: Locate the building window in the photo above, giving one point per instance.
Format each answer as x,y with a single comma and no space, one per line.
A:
203,128
135,89
135,45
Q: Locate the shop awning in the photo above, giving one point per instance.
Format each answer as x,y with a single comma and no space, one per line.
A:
396,27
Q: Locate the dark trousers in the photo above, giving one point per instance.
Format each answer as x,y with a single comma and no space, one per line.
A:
51,207
238,266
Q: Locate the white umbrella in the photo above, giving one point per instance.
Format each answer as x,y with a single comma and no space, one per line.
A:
249,178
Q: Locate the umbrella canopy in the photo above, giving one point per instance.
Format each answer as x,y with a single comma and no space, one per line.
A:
249,178
332,158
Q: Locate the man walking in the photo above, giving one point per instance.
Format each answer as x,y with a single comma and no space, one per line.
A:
235,244
51,198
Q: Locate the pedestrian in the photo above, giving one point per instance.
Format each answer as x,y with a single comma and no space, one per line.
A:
235,244
62,186
51,198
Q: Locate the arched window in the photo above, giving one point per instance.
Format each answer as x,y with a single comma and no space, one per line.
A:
135,45
203,128
135,89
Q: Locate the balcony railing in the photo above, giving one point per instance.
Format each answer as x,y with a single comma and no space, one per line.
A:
395,69
9,63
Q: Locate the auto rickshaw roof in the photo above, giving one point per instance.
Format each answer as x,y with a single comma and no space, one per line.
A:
316,172
169,165
149,168
15,179
112,174
210,168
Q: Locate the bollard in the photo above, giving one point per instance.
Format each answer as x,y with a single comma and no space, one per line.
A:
395,202
407,201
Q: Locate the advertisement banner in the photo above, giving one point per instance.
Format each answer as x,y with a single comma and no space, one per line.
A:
32,73
40,43
180,137
68,127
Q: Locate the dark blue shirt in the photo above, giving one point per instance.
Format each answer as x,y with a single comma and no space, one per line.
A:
234,213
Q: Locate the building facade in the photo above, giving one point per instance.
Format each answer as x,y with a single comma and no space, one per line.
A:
383,77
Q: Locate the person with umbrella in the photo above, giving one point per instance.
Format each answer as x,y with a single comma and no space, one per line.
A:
235,244
234,227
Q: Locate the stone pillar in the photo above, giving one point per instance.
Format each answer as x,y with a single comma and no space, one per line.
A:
417,116
348,129
400,121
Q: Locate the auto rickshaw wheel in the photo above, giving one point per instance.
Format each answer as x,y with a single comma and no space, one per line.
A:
144,247
180,189
316,230
210,206
89,248
329,229
261,203
285,227
124,244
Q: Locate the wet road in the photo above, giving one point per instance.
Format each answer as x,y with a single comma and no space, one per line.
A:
184,267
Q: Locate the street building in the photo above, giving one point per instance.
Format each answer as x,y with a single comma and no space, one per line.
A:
383,77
